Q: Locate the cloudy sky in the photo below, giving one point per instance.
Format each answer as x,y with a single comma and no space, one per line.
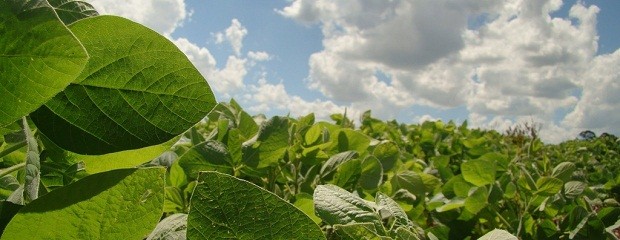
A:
493,63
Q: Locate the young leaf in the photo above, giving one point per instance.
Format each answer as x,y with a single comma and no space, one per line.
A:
39,57
172,227
479,172
33,165
400,217
223,206
138,89
498,234
119,204
337,206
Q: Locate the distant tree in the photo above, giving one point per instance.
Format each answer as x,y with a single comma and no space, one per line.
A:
587,135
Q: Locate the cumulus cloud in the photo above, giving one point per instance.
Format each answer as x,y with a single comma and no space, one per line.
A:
163,16
266,97
233,35
502,60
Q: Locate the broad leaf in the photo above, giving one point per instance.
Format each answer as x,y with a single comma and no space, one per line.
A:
547,186
564,171
70,11
206,156
400,217
336,160
137,90
223,206
39,57
498,234
477,200
33,165
272,140
371,173
410,181
357,231
119,204
387,153
479,172
171,228
337,206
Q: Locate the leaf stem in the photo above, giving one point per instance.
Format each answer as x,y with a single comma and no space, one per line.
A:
12,148
11,169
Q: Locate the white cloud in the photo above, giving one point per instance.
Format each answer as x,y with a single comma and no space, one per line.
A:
233,35
265,97
599,105
516,61
259,56
163,16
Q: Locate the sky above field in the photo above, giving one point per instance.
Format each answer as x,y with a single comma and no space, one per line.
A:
492,63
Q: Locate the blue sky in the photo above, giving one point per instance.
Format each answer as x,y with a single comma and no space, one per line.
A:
493,63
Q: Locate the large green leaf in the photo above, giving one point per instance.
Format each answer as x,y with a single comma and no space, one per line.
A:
106,162
371,173
119,204
547,186
70,11
224,207
137,90
206,156
337,206
39,57
269,145
479,172
400,217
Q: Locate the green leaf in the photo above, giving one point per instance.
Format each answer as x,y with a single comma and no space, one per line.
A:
547,186
223,206
337,206
387,153
70,11
498,234
479,172
39,57
573,189
304,202
137,90
119,204
106,162
349,139
207,156
410,181
477,200
313,135
371,173
400,217
33,165
171,228
450,205
564,171
347,174
273,142
357,231
336,160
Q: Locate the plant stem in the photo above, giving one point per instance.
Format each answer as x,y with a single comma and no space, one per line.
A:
11,169
12,148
